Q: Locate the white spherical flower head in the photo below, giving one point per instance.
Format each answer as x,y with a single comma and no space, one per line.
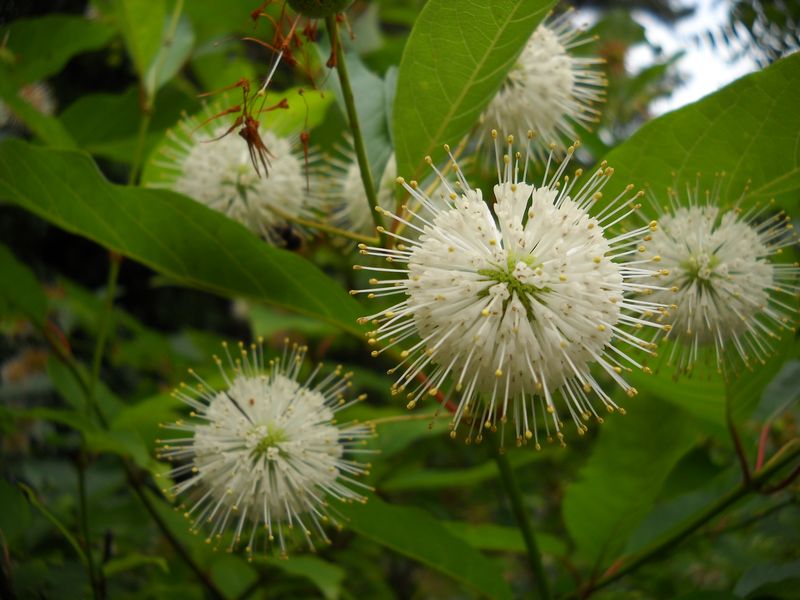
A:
266,451
725,289
513,304
549,90
215,169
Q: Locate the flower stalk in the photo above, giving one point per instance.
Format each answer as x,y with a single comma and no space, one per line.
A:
518,507
355,126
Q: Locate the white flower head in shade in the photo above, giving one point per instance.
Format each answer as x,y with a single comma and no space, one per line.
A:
726,290
38,94
350,208
265,452
215,169
549,90
513,304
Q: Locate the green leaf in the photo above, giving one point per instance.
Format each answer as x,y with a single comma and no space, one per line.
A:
169,233
622,478
107,124
749,129
142,26
767,575
232,574
171,56
369,91
501,538
15,518
455,59
21,291
435,479
415,533
328,577
781,392
42,46
133,561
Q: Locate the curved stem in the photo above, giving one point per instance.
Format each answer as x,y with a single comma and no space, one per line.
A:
84,521
781,459
355,127
105,319
515,497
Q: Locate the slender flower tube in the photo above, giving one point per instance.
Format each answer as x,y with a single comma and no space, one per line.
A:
549,90
265,450
730,294
504,309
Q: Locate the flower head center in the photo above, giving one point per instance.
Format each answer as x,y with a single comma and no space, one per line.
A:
266,440
522,277
700,269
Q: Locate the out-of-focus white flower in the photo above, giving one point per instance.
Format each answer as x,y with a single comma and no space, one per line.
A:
513,305
726,290
215,169
347,199
265,450
549,90
38,94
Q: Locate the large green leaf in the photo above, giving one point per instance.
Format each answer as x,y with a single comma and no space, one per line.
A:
168,232
42,46
749,129
418,535
619,483
456,57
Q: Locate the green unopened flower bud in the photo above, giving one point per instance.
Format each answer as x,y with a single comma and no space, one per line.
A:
318,9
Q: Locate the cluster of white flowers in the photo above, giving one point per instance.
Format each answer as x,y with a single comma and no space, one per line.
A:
514,306
549,90
265,450
726,291
215,168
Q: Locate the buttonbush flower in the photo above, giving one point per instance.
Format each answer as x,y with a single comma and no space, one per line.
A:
265,450
549,90
38,94
215,169
513,303
727,291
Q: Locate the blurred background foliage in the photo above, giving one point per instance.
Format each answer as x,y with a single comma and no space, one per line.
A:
439,526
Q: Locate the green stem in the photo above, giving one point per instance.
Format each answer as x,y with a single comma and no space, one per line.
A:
521,514
144,125
133,474
84,520
105,319
781,459
355,127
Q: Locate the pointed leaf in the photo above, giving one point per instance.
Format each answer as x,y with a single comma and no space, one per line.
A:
454,61
168,232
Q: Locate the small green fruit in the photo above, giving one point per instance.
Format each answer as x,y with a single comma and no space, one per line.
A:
317,9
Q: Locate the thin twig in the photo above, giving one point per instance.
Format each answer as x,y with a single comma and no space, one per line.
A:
355,126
